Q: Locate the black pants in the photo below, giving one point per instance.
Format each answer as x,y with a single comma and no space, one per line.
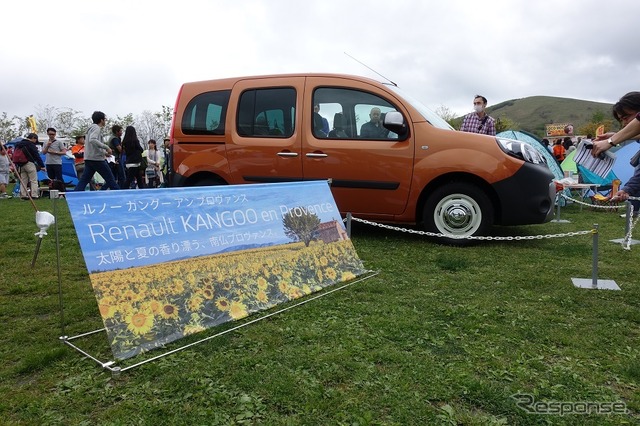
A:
134,174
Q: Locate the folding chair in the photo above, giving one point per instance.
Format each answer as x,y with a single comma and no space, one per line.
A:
599,199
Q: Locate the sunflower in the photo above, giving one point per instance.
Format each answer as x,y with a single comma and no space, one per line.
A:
348,275
192,328
222,303
194,303
153,305
294,292
139,322
191,279
283,286
331,274
169,311
107,310
262,283
178,286
237,310
207,293
262,297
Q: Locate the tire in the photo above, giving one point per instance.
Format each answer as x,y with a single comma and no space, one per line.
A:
207,181
459,209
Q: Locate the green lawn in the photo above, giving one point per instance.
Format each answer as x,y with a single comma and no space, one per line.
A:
442,335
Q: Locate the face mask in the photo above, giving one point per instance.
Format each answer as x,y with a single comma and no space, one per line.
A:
478,108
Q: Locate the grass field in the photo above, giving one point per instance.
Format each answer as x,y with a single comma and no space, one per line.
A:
442,335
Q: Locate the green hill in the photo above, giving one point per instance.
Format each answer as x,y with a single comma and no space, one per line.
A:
533,113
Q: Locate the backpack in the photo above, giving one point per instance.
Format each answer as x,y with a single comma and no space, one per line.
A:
19,156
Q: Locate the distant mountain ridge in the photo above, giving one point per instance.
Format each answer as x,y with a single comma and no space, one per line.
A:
533,113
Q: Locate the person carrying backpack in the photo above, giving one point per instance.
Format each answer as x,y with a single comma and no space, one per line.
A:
28,161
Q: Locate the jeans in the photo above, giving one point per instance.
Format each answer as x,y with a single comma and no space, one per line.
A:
119,173
90,168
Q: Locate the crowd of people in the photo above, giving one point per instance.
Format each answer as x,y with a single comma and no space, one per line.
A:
121,162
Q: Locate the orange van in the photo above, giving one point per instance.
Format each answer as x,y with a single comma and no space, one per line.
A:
389,158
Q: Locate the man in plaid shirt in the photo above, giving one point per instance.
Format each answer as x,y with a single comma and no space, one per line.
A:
478,121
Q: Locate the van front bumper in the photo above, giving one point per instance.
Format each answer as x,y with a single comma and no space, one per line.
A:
527,197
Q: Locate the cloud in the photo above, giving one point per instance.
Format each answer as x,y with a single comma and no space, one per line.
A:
126,57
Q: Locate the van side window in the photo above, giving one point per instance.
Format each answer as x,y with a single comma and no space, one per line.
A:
267,112
353,113
206,114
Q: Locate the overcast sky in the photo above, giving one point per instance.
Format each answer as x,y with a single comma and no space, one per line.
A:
130,56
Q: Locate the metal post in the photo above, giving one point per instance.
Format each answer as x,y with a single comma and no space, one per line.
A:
627,241
594,283
628,218
349,225
115,373
594,273
53,195
558,201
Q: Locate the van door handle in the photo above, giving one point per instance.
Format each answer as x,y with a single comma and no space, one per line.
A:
316,155
287,154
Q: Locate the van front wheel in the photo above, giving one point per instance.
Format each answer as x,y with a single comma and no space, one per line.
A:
458,209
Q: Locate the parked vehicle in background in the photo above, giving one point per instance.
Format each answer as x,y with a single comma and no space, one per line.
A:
409,167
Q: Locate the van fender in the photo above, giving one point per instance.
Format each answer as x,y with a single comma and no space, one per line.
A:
488,167
204,166
441,168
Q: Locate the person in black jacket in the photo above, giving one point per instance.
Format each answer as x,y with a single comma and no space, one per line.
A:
133,152
28,171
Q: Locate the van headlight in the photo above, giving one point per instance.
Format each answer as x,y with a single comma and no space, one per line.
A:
521,150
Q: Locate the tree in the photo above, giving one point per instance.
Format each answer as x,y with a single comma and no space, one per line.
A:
505,123
67,121
301,225
149,126
45,117
446,114
165,118
597,119
8,129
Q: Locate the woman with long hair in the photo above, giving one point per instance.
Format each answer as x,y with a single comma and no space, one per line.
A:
133,151
153,174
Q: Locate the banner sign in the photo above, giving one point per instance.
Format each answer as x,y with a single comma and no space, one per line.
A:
559,130
166,263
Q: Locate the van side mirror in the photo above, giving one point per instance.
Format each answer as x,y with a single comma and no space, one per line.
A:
394,121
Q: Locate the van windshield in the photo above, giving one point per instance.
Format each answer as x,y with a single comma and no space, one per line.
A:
428,115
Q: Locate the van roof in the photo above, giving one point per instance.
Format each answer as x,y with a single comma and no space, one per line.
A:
292,75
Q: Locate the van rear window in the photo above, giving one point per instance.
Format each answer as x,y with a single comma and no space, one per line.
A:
206,114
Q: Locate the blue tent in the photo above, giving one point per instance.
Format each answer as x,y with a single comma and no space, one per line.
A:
530,139
68,171
621,167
